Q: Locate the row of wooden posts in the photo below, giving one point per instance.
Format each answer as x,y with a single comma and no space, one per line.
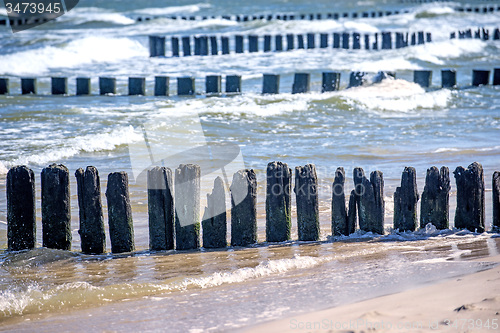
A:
209,45
168,210
479,33
270,84
312,16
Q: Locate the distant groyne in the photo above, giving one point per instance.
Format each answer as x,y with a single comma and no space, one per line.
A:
174,206
330,81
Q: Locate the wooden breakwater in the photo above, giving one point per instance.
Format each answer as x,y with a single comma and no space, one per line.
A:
204,45
330,81
174,216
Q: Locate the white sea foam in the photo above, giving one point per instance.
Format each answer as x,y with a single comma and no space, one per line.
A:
81,15
64,148
3,169
78,52
173,9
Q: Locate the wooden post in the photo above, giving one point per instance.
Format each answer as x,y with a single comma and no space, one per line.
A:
278,39
448,78
213,84
28,86
271,84
301,83
300,41
233,84
82,86
56,208
330,81
311,41
121,228
323,41
339,213
370,200
225,44
161,210
187,206
93,238
175,46
345,40
137,86
306,192
336,40
290,41
162,84
423,78
470,198
244,208
214,49
480,77
4,86
107,85
356,41
214,222
59,85
278,208
21,211
186,46
496,200
253,43
405,202
185,86
435,205
352,213
238,39
267,43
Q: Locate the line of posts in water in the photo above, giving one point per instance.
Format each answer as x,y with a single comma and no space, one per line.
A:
174,216
220,45
233,83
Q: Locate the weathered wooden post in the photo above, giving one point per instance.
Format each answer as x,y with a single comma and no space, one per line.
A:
244,208
375,42
345,40
423,78
413,39
56,208
152,46
386,41
91,230
186,46
496,200
300,41
185,86
356,41
21,211
311,43
213,84
59,85
136,86
204,45
420,36
367,42
271,84
352,213
160,46
267,43
278,40
197,45
448,78
336,40
470,198
405,202
238,40
278,207
233,84
28,86
175,46
161,210
480,77
496,77
428,37
290,41
370,200
306,193
339,213
214,49
162,84
187,206
434,207
82,86
214,222
330,81
356,79
253,43
121,228
107,85
323,41
399,40
225,44
4,86
301,83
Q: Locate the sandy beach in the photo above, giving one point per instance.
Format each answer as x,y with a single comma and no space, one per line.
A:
468,303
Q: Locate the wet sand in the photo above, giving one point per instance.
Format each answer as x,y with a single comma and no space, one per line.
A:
469,303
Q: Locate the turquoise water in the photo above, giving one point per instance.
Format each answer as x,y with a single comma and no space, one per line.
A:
384,126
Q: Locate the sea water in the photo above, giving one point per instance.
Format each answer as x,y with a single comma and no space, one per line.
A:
384,126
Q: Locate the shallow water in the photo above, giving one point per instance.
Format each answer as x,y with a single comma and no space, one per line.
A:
384,126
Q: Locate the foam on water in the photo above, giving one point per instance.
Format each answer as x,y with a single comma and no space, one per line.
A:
173,9
81,15
93,49
64,148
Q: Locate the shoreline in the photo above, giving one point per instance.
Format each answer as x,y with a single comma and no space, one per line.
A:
469,303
